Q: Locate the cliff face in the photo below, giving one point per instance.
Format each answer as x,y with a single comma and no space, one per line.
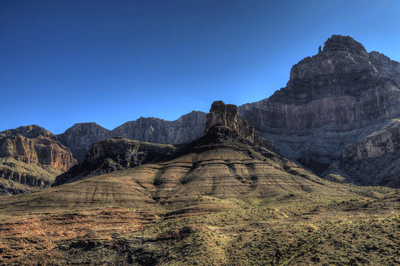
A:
32,156
115,154
185,129
80,136
222,115
338,106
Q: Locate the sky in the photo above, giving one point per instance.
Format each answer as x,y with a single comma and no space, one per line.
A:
112,61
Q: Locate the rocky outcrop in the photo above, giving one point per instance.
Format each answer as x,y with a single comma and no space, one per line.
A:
32,156
333,108
35,145
187,128
222,115
23,178
115,154
375,145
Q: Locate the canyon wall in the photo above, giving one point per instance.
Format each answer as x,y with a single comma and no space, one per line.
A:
339,106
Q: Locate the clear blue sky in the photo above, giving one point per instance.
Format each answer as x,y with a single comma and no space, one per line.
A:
109,62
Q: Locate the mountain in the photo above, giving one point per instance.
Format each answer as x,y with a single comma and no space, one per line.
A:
187,128
31,158
338,115
80,136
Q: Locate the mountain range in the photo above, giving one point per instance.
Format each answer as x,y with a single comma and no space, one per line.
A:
307,176
338,116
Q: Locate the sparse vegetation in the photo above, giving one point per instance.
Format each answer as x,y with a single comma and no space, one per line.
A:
214,205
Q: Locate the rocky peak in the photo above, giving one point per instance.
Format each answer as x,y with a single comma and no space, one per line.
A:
341,54
345,43
80,136
90,127
31,131
226,116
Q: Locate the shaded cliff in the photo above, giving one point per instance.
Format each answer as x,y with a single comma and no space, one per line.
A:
115,154
80,137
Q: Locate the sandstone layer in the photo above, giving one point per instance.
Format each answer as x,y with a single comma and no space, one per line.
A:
332,104
31,156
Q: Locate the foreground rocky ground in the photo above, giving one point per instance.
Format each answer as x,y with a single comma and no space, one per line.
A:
295,228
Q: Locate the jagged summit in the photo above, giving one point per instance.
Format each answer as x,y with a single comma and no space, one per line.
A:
345,43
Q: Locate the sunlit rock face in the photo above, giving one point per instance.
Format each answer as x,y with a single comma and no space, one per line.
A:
333,101
31,156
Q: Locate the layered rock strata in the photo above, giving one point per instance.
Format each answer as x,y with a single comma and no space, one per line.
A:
32,156
333,104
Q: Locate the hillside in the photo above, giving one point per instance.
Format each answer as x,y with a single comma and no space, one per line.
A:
220,200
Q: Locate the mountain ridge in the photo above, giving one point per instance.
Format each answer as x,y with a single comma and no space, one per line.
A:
186,128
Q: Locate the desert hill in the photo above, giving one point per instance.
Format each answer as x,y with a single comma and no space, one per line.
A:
227,175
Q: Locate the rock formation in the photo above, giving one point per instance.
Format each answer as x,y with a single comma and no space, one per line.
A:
339,105
115,154
31,156
222,115
185,129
